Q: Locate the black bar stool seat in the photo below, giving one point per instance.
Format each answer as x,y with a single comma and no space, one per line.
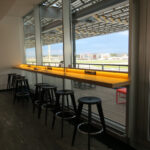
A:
89,100
66,115
23,93
64,92
88,127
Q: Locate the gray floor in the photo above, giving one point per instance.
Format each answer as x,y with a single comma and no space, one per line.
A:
20,130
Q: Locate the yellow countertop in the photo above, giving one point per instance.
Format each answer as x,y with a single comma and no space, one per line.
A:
101,78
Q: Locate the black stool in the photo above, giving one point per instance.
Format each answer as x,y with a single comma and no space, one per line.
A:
60,111
22,90
14,78
38,89
19,83
87,128
38,100
9,81
48,92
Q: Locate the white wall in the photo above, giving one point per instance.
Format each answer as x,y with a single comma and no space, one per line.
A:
11,35
11,40
10,53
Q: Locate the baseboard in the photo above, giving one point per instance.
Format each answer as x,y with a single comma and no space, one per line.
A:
5,90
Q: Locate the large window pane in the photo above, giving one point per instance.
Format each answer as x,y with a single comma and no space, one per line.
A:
29,38
52,38
101,43
105,52
51,32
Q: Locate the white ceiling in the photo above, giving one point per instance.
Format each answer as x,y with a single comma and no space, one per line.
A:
5,5
16,8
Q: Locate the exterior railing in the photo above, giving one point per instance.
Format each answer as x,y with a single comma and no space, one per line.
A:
107,67
31,62
53,64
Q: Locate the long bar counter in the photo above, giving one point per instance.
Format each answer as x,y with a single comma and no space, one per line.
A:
101,78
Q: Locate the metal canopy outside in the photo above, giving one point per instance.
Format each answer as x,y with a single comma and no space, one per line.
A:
91,18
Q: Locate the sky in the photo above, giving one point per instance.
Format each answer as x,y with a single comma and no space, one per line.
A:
109,43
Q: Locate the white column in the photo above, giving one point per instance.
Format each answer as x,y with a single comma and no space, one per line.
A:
133,61
68,46
67,24
139,96
38,40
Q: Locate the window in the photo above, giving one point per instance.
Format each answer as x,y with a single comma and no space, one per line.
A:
51,33
52,38
101,43
29,38
104,52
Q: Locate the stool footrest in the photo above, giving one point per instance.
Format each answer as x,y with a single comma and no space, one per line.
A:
48,106
86,128
21,94
66,115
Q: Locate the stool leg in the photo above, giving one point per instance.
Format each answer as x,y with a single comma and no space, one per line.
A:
55,110
100,111
13,82
14,99
62,119
73,102
77,121
46,111
15,92
67,101
36,94
39,111
50,95
23,99
116,97
53,122
27,84
8,82
89,123
33,108
40,104
27,99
